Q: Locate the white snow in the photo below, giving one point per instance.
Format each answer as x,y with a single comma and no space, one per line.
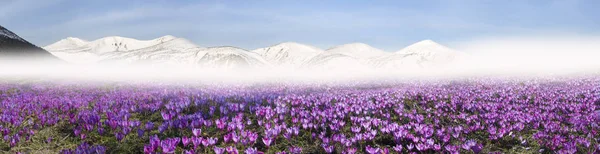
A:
288,54
104,45
335,62
115,48
229,57
65,44
430,50
171,51
348,56
420,55
357,50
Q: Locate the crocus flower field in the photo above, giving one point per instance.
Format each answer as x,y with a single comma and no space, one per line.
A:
463,116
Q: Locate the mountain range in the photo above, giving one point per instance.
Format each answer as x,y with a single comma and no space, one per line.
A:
173,50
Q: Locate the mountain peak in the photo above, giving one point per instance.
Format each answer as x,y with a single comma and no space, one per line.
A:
72,38
68,42
424,46
9,34
427,41
288,53
12,46
77,40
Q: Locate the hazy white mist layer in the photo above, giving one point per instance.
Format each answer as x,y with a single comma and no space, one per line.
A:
507,56
550,54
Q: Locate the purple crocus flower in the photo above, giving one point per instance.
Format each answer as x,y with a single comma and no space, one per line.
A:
168,146
149,149
351,150
197,132
477,148
226,138
373,150
119,136
251,150
410,146
196,141
295,150
267,141
166,115
327,148
218,150
232,150
398,148
140,133
205,142
149,126
154,141
185,141
212,141
469,144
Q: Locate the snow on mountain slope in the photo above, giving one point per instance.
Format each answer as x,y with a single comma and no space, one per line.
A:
288,54
431,51
65,44
173,51
121,49
5,33
335,61
357,50
229,57
354,55
423,54
104,45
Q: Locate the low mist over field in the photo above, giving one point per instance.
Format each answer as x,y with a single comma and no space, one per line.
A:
485,57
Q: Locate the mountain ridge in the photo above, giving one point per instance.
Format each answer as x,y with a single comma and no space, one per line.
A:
293,55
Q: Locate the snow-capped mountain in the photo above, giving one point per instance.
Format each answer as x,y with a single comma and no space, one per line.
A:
229,57
354,55
164,49
68,43
12,46
105,45
6,34
423,54
288,54
430,50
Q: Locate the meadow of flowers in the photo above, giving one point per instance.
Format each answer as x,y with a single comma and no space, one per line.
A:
462,116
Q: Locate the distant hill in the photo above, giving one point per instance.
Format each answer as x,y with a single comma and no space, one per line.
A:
13,47
171,50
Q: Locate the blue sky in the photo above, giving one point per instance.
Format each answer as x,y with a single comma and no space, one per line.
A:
388,25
